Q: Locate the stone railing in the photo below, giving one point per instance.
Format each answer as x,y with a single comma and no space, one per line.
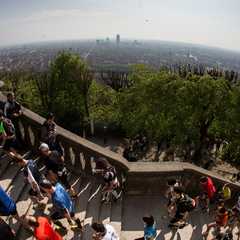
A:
142,177
79,153
150,178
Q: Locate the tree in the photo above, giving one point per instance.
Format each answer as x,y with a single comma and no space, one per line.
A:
171,105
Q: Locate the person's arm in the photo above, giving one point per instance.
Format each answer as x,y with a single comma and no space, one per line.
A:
184,216
167,192
52,176
35,185
62,159
4,137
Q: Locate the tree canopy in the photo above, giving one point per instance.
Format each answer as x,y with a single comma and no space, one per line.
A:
168,105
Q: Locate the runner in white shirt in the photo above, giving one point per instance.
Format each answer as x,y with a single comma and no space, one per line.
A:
106,232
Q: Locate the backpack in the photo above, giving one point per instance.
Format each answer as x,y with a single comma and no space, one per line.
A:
8,126
189,202
112,170
39,130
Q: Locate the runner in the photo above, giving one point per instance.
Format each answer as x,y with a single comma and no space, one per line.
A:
109,176
171,183
209,190
63,204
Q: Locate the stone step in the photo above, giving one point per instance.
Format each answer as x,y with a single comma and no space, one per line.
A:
11,172
116,216
22,233
92,211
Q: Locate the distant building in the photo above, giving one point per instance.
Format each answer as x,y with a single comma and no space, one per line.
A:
107,39
97,41
118,39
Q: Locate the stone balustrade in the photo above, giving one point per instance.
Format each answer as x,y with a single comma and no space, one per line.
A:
141,177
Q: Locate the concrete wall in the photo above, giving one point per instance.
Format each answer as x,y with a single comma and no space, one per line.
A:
150,178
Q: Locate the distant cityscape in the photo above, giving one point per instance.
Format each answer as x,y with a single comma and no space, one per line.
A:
119,54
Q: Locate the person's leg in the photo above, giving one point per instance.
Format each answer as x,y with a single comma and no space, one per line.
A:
66,183
34,199
207,202
76,220
55,219
197,201
48,195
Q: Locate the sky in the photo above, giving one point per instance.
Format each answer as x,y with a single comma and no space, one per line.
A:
208,22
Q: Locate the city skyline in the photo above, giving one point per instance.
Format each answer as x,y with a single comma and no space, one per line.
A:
211,23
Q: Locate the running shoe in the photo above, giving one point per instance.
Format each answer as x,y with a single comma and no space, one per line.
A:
39,206
195,208
52,208
183,225
61,228
205,209
76,227
205,233
105,201
168,216
117,199
29,229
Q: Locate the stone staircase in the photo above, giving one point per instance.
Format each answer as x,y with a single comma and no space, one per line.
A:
125,216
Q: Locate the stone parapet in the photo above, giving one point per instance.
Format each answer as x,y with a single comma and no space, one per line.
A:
150,178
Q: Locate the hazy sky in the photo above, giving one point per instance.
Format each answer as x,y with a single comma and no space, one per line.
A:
208,22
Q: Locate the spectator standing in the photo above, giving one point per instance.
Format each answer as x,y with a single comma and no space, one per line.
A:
34,177
209,190
55,165
42,228
106,232
105,134
110,177
8,136
63,204
13,111
49,133
6,233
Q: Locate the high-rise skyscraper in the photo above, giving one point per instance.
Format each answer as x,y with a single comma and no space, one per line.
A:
118,39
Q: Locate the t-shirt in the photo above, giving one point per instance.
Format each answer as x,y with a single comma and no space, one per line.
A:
171,190
110,233
54,162
7,206
1,127
209,187
61,200
221,236
222,218
32,173
109,175
45,231
5,232
181,206
226,192
150,232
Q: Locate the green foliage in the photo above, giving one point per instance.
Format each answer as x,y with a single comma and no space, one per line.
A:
166,104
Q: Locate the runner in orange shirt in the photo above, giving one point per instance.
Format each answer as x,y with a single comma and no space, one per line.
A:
220,220
42,228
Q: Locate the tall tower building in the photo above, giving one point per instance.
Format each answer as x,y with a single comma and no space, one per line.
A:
118,39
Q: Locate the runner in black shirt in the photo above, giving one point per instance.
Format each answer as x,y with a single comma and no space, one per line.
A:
56,167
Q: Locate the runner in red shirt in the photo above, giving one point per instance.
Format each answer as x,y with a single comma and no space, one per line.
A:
42,228
209,190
